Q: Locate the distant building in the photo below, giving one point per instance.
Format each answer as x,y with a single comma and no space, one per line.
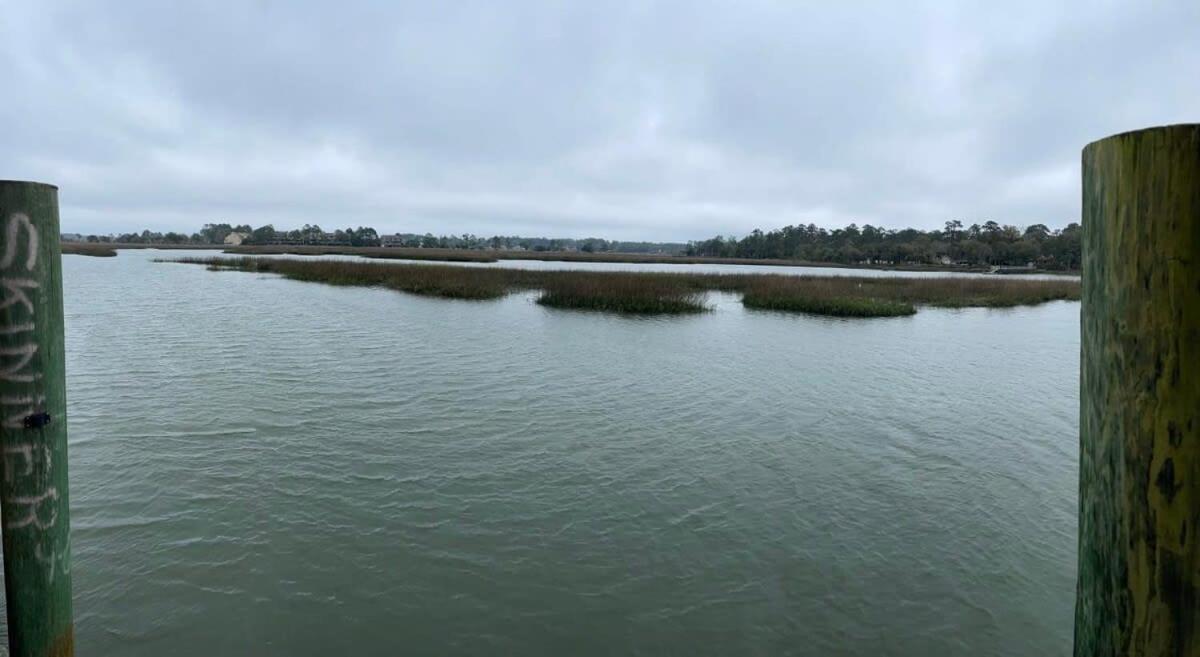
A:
236,239
308,238
71,237
391,240
331,239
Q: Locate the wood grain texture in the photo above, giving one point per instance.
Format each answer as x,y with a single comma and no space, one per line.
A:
1139,489
33,424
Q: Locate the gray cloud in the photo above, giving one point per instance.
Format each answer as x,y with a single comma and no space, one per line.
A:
661,120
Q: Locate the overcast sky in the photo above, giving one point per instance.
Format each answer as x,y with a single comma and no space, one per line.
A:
629,120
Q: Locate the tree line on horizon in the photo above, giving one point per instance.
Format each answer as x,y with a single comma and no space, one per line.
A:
976,245
215,234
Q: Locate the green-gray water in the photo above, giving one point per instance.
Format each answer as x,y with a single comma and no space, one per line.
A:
267,467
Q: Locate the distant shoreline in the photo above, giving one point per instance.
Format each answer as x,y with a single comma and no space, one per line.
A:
469,255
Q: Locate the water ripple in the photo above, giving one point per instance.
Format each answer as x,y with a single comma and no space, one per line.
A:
261,466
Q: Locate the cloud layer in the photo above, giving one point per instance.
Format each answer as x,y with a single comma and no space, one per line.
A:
630,120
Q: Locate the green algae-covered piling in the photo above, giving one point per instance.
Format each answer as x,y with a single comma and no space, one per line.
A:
1139,480
33,424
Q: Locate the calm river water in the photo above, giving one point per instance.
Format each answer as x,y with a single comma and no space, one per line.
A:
267,467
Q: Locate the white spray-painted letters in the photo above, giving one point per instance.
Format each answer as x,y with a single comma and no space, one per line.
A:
19,364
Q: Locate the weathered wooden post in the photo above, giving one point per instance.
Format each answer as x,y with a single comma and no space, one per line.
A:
1139,480
33,424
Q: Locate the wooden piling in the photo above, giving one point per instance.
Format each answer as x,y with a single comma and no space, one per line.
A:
33,424
1139,480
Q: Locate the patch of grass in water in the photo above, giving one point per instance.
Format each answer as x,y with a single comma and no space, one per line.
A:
88,249
667,293
830,306
426,280
386,253
622,293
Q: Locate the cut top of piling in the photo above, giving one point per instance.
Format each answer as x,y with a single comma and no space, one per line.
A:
28,182
1173,131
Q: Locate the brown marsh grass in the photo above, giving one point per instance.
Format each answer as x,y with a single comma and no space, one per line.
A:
388,253
465,255
89,249
641,292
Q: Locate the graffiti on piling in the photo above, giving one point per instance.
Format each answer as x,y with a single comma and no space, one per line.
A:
33,501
